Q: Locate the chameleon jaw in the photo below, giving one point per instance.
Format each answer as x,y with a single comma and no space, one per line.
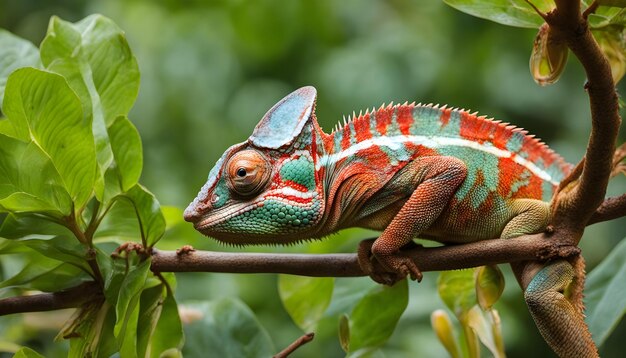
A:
209,220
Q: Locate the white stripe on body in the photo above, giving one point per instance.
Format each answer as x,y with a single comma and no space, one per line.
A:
394,143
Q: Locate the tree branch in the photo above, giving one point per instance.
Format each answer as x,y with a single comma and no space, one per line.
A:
487,252
69,298
574,208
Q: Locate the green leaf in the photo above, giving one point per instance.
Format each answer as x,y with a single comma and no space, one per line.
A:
344,332
612,44
129,294
15,227
305,298
442,325
92,330
15,52
94,56
616,3
150,306
456,289
62,248
226,328
43,108
148,212
22,168
26,352
168,334
604,17
506,12
136,213
375,316
46,275
483,327
489,285
605,294
127,339
126,146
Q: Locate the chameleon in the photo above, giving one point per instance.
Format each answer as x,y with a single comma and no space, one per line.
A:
408,170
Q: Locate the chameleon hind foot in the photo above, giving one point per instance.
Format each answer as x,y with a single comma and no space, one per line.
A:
387,269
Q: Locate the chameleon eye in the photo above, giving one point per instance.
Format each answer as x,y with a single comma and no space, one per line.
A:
248,172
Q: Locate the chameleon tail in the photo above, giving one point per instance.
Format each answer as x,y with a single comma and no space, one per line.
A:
554,299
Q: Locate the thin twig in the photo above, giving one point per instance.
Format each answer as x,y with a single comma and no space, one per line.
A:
611,208
302,340
591,9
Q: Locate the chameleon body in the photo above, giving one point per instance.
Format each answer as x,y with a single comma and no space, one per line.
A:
407,170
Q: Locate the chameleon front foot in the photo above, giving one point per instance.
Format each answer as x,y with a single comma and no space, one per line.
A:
384,268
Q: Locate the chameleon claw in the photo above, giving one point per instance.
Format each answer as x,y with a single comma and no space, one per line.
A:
185,250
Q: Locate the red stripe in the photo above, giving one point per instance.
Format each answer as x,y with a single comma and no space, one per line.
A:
445,117
362,128
383,120
296,186
345,140
405,118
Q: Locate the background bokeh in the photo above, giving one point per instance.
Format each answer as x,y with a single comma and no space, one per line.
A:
210,70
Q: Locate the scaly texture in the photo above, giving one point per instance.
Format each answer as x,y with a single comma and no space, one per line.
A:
408,170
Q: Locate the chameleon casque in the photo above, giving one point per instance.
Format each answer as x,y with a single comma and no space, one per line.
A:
407,170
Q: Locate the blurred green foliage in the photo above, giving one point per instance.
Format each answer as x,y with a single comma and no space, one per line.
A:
210,70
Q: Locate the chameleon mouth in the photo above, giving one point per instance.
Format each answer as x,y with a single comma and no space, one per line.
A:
215,218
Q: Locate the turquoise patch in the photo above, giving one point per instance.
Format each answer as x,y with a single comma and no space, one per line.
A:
274,217
352,133
515,142
394,128
301,171
338,137
222,192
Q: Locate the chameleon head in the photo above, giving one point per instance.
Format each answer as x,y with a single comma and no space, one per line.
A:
266,190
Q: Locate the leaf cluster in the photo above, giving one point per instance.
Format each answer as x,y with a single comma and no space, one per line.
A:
70,162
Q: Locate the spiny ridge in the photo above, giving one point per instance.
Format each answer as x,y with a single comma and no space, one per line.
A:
472,126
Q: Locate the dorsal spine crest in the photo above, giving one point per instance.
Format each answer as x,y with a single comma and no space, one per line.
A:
436,120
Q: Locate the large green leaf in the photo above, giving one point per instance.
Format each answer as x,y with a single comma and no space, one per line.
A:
225,328
29,181
15,52
126,146
374,318
507,12
605,294
42,108
94,56
305,298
